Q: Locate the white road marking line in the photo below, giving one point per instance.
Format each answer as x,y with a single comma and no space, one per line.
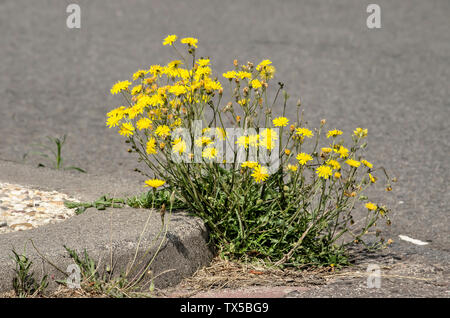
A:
411,240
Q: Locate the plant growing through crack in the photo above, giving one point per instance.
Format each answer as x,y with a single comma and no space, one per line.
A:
52,152
24,282
267,186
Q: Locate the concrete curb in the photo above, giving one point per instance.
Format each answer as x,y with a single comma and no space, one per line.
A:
112,233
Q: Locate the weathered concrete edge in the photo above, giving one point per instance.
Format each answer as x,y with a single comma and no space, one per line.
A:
113,232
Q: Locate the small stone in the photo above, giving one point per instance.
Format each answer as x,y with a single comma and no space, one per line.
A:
21,226
60,203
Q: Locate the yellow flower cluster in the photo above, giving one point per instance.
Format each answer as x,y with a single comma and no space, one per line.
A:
162,98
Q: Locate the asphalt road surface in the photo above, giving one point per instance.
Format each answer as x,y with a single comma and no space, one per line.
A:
393,81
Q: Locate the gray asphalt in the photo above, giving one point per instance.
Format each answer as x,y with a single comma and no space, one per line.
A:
393,81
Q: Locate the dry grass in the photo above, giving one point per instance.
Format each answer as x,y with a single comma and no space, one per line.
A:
223,274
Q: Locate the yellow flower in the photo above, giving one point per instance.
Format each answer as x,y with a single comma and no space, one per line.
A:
203,62
342,151
359,132
230,75
190,41
367,164
269,133
126,129
371,206
303,158
177,90
324,172
337,175
326,150
143,123
372,178
353,163
256,83
115,116
156,70
151,146
242,74
154,183
203,141
221,133
267,72
209,153
305,132
280,122
267,143
170,39
263,64
292,167
179,145
249,164
174,64
136,90
113,121
260,173
334,164
162,131
119,87
140,73
242,141
242,102
334,133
